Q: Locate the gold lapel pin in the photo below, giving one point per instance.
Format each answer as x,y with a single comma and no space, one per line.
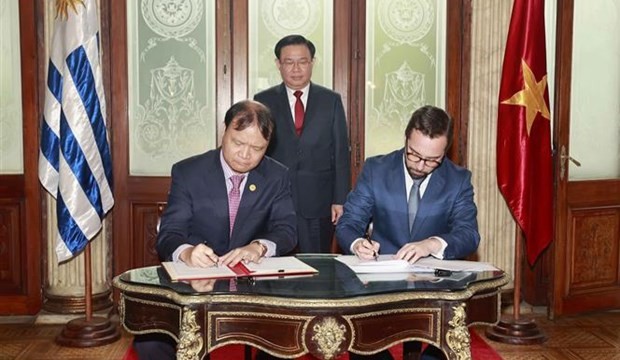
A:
252,187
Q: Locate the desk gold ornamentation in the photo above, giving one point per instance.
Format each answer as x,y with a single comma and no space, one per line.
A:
329,335
324,315
121,308
458,336
190,340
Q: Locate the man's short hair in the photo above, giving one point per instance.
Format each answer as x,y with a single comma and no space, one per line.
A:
246,112
431,121
294,40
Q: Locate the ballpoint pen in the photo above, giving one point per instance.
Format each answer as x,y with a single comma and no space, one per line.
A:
374,252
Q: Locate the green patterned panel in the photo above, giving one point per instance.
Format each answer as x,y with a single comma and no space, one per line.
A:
171,66
270,20
404,67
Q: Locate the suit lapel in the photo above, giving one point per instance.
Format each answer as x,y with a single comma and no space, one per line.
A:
285,108
311,108
215,186
397,173
431,194
253,187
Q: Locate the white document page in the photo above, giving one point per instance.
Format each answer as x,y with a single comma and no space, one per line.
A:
383,264
280,265
181,271
430,262
387,264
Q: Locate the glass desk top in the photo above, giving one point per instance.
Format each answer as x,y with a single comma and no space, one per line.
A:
334,280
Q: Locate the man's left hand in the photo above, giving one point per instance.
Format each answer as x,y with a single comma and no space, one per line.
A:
337,211
419,249
252,252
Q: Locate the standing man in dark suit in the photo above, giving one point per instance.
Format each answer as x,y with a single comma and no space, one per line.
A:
311,140
227,205
420,203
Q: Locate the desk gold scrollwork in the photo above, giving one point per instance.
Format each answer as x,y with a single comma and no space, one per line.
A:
325,315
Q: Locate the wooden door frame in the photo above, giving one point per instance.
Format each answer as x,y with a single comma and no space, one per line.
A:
138,198
21,195
597,197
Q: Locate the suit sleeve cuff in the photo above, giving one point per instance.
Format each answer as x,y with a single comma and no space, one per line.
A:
439,253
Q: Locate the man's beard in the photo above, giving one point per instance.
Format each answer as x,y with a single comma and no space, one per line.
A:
414,175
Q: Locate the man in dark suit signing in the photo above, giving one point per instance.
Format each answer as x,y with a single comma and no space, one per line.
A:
227,205
311,140
420,203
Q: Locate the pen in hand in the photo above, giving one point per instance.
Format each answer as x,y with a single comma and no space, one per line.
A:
374,252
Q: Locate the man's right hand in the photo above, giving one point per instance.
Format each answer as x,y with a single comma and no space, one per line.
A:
199,256
366,249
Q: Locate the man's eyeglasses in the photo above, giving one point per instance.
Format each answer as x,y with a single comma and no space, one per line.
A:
413,157
288,64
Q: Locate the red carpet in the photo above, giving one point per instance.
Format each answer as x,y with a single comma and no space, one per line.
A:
479,351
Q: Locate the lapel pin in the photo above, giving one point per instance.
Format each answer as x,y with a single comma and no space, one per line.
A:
252,187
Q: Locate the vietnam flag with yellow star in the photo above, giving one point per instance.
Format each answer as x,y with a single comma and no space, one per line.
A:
524,155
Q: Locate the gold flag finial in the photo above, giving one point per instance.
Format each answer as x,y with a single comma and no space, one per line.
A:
62,7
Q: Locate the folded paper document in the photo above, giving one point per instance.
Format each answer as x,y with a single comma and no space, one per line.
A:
275,266
383,264
387,264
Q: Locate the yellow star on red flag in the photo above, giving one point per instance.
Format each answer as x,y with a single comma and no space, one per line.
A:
531,96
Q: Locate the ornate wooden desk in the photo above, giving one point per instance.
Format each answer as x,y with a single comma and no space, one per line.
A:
325,315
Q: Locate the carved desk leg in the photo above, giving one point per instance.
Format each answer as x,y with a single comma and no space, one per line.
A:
457,336
190,338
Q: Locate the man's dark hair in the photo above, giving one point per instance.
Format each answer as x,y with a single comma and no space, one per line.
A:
431,121
294,40
246,112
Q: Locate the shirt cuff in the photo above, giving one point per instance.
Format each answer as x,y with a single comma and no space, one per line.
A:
270,245
353,245
178,251
439,253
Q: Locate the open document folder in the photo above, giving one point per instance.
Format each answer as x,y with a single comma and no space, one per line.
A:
387,264
274,266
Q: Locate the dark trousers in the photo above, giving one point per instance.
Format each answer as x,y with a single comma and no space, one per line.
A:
314,235
155,347
430,353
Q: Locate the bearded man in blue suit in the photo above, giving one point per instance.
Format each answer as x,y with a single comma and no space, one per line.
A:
444,222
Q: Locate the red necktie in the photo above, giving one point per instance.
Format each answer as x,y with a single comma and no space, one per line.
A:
234,197
299,112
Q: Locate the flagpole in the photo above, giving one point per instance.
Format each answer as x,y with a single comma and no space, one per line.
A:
88,285
517,331
88,331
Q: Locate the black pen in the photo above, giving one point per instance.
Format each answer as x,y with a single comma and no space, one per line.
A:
374,252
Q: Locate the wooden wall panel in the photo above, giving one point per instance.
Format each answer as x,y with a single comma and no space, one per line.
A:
144,217
594,253
11,248
590,276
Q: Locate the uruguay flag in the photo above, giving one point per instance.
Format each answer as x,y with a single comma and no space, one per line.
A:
75,166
